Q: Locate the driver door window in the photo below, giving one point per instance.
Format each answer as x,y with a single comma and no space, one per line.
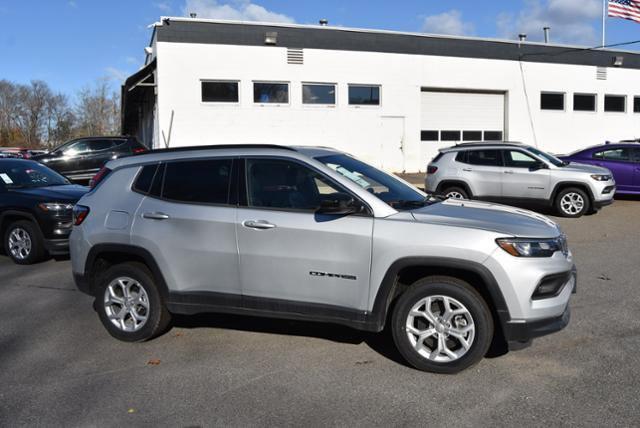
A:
279,184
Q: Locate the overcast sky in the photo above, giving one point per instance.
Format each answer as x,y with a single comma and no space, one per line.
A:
70,43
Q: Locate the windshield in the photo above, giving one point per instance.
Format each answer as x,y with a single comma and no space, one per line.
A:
548,157
387,188
25,174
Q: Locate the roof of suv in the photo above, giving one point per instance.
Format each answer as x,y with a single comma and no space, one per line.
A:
480,144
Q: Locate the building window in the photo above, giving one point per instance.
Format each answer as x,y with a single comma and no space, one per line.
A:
584,102
429,136
615,103
492,135
219,92
551,101
316,93
270,93
471,135
636,104
364,95
450,135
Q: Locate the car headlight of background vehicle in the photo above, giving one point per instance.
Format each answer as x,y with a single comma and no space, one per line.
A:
525,247
601,177
55,207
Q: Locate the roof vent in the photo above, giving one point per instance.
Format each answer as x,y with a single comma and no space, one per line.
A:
324,22
295,56
193,15
522,37
601,73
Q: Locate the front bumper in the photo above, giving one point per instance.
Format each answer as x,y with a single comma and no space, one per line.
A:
57,247
523,332
599,204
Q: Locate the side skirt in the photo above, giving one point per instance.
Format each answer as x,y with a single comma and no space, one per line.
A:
208,302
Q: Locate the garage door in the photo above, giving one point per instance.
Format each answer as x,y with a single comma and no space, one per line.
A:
462,116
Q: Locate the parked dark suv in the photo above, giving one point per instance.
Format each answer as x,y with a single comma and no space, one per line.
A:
80,159
36,204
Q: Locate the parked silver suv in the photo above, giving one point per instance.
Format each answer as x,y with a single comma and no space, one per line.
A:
315,234
515,173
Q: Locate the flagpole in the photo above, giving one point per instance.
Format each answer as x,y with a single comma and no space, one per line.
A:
604,21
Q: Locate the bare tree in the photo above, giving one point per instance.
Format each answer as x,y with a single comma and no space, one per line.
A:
98,110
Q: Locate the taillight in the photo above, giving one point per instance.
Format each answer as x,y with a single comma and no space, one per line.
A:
431,169
99,177
80,212
139,150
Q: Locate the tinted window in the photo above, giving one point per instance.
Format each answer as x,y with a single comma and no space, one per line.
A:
156,187
484,157
518,159
318,94
551,101
428,135
145,178
472,135
364,95
220,92
269,93
461,157
81,146
636,155
615,103
493,135
621,154
202,181
97,145
584,102
282,184
636,104
449,135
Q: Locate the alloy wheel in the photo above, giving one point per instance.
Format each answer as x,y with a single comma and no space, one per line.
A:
126,304
572,203
19,243
440,328
454,195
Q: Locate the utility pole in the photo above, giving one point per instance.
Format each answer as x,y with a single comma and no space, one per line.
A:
604,21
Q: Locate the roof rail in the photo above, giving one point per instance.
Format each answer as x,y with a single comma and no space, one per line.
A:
216,146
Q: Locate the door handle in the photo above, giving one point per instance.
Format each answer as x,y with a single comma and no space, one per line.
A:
467,169
508,172
258,224
155,216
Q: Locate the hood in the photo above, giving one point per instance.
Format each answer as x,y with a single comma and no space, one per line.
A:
583,167
498,218
67,192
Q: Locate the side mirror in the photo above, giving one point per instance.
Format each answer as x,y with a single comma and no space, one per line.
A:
538,166
339,204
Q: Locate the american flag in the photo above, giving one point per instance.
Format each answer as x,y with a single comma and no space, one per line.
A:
627,9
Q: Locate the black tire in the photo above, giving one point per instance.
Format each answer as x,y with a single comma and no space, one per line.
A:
455,190
158,317
36,242
463,293
566,211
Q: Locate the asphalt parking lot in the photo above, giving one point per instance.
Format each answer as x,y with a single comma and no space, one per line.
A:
58,365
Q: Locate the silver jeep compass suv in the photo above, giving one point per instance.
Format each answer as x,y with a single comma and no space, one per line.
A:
315,234
515,173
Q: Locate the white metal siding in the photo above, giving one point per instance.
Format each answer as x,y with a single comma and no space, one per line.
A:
462,111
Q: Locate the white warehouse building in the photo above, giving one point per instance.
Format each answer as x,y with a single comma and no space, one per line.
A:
390,98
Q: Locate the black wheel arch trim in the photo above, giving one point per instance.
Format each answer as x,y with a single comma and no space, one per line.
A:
386,292
564,184
122,249
453,183
25,215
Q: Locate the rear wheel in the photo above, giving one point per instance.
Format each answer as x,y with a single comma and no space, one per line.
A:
129,303
455,192
572,202
23,242
442,325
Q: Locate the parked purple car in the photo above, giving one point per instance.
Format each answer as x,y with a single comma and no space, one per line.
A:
622,159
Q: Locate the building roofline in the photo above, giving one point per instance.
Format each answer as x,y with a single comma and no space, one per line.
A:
163,20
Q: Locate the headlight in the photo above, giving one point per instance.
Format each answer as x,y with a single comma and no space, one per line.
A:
525,247
601,177
55,206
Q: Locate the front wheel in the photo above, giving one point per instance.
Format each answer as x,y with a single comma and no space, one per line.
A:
129,303
23,242
572,202
442,325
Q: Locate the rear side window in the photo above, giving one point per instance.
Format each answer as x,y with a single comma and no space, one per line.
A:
145,178
484,157
621,154
97,145
201,181
461,157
